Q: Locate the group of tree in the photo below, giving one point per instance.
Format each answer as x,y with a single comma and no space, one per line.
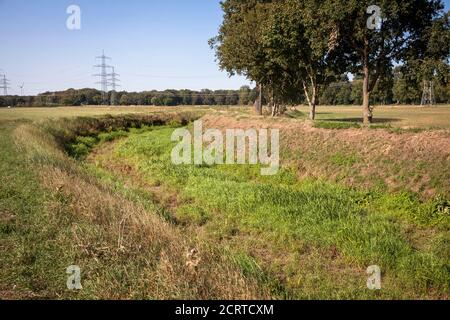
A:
293,46
397,88
71,97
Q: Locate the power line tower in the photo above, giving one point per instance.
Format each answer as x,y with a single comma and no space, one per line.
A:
103,75
4,84
428,98
21,89
113,78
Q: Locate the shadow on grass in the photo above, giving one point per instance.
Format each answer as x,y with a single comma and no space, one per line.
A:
360,120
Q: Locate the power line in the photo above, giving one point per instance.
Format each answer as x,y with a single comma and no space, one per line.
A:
162,93
175,77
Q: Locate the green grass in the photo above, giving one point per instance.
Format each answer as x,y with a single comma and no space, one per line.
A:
306,239
341,159
285,214
336,125
392,116
28,261
54,212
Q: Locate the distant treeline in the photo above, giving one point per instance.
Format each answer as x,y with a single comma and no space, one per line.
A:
72,97
345,92
393,89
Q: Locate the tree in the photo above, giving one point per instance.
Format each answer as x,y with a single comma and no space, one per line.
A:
207,97
186,97
231,98
285,46
244,95
357,90
97,99
305,43
125,100
428,59
220,97
238,45
372,52
344,93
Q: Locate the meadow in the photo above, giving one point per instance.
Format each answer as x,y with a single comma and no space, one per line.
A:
396,116
95,187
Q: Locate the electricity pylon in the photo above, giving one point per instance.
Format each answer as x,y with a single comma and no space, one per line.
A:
113,78
4,84
21,89
103,75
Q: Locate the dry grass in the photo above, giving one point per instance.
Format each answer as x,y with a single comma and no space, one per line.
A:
91,111
124,250
128,250
111,231
222,208
395,116
414,161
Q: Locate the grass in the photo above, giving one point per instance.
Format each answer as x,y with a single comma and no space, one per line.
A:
385,116
408,160
56,213
336,125
121,211
394,116
346,160
235,207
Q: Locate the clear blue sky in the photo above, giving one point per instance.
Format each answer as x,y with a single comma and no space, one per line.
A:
155,44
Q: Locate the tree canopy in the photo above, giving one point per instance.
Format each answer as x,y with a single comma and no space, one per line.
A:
303,45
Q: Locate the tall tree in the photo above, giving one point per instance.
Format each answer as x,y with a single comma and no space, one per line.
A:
400,26
428,59
284,45
238,43
305,42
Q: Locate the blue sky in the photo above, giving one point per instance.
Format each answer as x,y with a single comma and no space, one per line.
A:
154,44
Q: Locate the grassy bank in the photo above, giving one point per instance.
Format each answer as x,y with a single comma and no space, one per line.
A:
317,238
55,214
102,193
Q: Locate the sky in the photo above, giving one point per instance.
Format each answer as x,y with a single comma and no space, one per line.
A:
154,44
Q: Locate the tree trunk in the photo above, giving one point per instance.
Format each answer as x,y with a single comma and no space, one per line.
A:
312,112
367,112
311,101
274,110
258,102
260,107
273,103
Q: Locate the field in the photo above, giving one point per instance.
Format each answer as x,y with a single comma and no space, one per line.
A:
95,187
396,116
